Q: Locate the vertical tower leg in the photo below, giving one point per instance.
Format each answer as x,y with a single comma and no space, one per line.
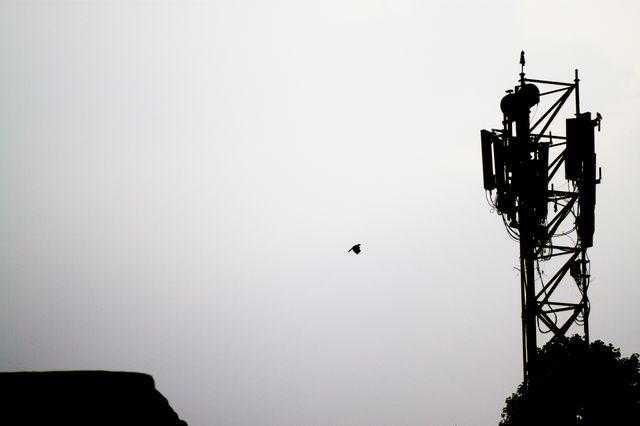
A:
529,305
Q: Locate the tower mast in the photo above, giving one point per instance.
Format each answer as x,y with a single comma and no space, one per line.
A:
521,162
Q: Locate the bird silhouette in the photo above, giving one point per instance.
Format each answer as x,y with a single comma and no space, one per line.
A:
355,249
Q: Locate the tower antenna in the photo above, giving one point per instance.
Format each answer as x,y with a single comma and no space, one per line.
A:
551,217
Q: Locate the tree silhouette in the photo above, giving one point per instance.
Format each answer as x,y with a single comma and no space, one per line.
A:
577,383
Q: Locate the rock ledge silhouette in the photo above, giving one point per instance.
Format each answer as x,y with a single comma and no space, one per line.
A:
83,398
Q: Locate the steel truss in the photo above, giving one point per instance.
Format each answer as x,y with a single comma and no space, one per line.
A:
554,227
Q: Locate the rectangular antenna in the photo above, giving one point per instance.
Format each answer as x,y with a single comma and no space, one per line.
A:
487,160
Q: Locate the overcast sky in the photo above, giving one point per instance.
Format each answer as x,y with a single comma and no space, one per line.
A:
180,183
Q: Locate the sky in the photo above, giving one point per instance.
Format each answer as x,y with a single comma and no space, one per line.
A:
180,182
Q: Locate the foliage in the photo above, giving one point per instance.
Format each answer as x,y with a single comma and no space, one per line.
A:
578,384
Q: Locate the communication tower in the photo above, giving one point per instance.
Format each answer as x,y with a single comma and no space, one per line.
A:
550,215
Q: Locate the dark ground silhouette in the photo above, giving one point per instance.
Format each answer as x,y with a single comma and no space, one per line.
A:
83,398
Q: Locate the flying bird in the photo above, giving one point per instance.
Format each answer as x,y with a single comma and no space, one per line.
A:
355,249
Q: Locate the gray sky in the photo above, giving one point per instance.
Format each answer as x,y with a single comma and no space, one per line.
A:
180,183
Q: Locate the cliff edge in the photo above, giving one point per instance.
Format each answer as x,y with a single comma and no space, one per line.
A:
83,398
